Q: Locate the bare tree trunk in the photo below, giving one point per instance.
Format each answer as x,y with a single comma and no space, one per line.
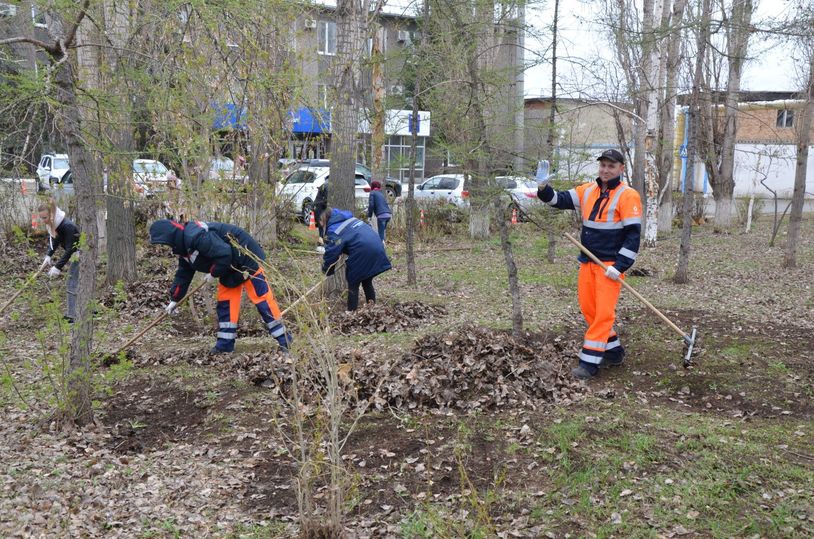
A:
798,198
652,17
682,271
548,152
345,115
511,268
738,31
79,395
121,233
665,165
377,135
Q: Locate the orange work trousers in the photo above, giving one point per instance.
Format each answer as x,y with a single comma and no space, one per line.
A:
228,310
598,295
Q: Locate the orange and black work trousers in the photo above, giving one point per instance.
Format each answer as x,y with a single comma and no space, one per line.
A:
229,311
598,295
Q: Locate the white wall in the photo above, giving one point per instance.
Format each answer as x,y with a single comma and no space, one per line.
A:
775,164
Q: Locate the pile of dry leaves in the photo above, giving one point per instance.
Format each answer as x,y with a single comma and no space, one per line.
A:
251,366
471,368
467,369
383,318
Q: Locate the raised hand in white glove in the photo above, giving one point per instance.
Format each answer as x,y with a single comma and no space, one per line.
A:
612,273
46,261
209,278
54,272
170,308
542,176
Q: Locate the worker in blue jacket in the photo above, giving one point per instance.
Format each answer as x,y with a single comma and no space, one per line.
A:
211,248
365,253
377,205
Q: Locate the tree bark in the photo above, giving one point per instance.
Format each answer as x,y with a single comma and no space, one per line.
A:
377,134
672,60
652,18
682,275
738,32
548,152
411,206
511,269
798,197
350,22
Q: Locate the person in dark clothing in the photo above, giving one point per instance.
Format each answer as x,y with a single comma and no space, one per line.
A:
62,232
209,248
364,250
320,203
377,205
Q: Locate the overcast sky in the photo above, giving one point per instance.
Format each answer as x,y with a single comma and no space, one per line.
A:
582,40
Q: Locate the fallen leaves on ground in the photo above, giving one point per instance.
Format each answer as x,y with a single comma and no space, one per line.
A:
471,368
384,318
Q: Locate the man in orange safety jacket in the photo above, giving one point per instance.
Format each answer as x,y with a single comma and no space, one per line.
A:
611,225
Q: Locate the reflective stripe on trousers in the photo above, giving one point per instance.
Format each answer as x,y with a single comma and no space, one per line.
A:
597,299
228,309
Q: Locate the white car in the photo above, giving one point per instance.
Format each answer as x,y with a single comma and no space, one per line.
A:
301,186
223,168
151,177
522,191
443,189
51,168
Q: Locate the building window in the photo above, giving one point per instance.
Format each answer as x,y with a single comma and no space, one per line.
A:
398,158
38,17
785,118
327,37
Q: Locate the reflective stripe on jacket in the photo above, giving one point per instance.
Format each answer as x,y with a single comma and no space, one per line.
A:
611,221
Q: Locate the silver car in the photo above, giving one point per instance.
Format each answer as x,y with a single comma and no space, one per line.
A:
522,191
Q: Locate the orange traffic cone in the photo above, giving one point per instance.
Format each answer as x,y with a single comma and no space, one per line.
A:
312,222
421,219
514,216
35,221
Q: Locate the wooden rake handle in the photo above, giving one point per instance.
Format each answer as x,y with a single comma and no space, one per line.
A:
25,285
633,291
158,320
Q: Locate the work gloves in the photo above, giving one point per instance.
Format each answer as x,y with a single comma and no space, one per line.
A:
46,261
542,173
54,272
612,273
170,308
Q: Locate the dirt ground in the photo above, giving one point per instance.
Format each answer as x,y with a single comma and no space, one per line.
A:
468,433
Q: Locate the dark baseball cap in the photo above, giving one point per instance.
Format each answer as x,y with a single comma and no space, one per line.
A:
612,155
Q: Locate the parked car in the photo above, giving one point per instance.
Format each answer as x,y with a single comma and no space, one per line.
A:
223,168
392,186
300,188
151,177
51,168
522,191
443,189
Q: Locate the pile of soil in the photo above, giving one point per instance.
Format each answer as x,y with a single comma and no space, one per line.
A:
471,368
383,318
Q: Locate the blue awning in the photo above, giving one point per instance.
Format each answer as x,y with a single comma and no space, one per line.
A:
305,120
227,116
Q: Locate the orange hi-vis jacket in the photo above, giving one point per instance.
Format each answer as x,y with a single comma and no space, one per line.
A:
611,221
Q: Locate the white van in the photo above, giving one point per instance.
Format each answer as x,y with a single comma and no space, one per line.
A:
51,168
